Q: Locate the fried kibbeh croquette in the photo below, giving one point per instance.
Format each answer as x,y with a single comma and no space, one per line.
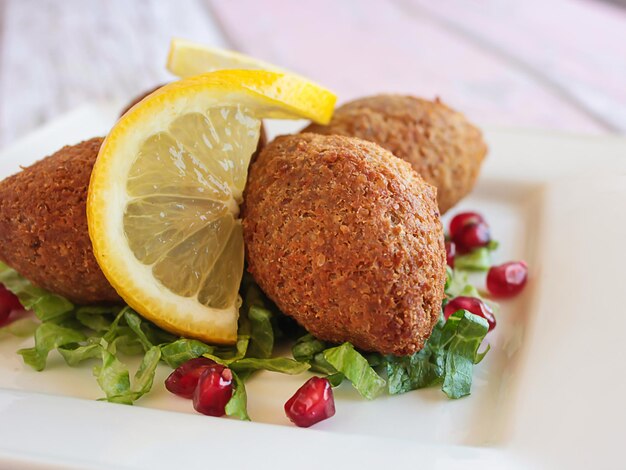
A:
440,144
346,239
43,225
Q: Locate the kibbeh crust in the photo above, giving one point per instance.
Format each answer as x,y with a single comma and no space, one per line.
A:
346,239
439,143
43,225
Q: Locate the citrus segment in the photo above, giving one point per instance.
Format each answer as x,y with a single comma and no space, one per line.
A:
163,204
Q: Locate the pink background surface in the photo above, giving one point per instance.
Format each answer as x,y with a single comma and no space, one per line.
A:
549,64
558,64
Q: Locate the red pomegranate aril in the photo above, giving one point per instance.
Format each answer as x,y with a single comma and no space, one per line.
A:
184,379
450,253
8,303
312,403
472,305
462,219
508,279
214,390
472,236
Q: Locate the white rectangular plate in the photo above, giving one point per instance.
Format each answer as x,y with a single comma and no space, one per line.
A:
549,394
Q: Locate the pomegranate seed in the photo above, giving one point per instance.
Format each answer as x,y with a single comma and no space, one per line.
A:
472,305
472,236
214,390
184,379
461,220
8,303
312,403
450,253
508,279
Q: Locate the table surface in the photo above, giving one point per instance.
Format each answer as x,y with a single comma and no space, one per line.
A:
557,65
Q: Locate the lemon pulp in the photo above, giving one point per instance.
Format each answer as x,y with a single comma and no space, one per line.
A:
184,189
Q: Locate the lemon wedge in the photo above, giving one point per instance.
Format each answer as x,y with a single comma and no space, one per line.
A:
186,58
163,202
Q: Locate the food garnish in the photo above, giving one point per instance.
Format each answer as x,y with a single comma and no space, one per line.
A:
469,231
184,380
473,305
163,203
108,334
508,279
214,390
186,58
312,403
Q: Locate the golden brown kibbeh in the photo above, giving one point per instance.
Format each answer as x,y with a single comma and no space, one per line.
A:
43,225
438,142
347,239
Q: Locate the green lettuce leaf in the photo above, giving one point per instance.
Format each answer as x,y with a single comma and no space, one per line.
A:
46,306
336,379
493,245
22,327
462,335
457,284
182,350
94,321
283,365
127,344
306,347
237,406
412,372
144,377
76,354
134,322
356,369
48,337
115,329
113,378
309,349
476,260
447,358
261,333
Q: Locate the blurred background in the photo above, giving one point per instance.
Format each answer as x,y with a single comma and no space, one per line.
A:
547,64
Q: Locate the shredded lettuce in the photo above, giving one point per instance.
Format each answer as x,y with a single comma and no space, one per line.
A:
447,358
74,354
261,332
460,339
457,284
275,364
182,350
349,362
309,349
22,328
306,347
476,260
113,377
48,337
237,406
46,306
106,334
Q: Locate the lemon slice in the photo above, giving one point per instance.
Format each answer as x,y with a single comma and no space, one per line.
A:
186,58
164,196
